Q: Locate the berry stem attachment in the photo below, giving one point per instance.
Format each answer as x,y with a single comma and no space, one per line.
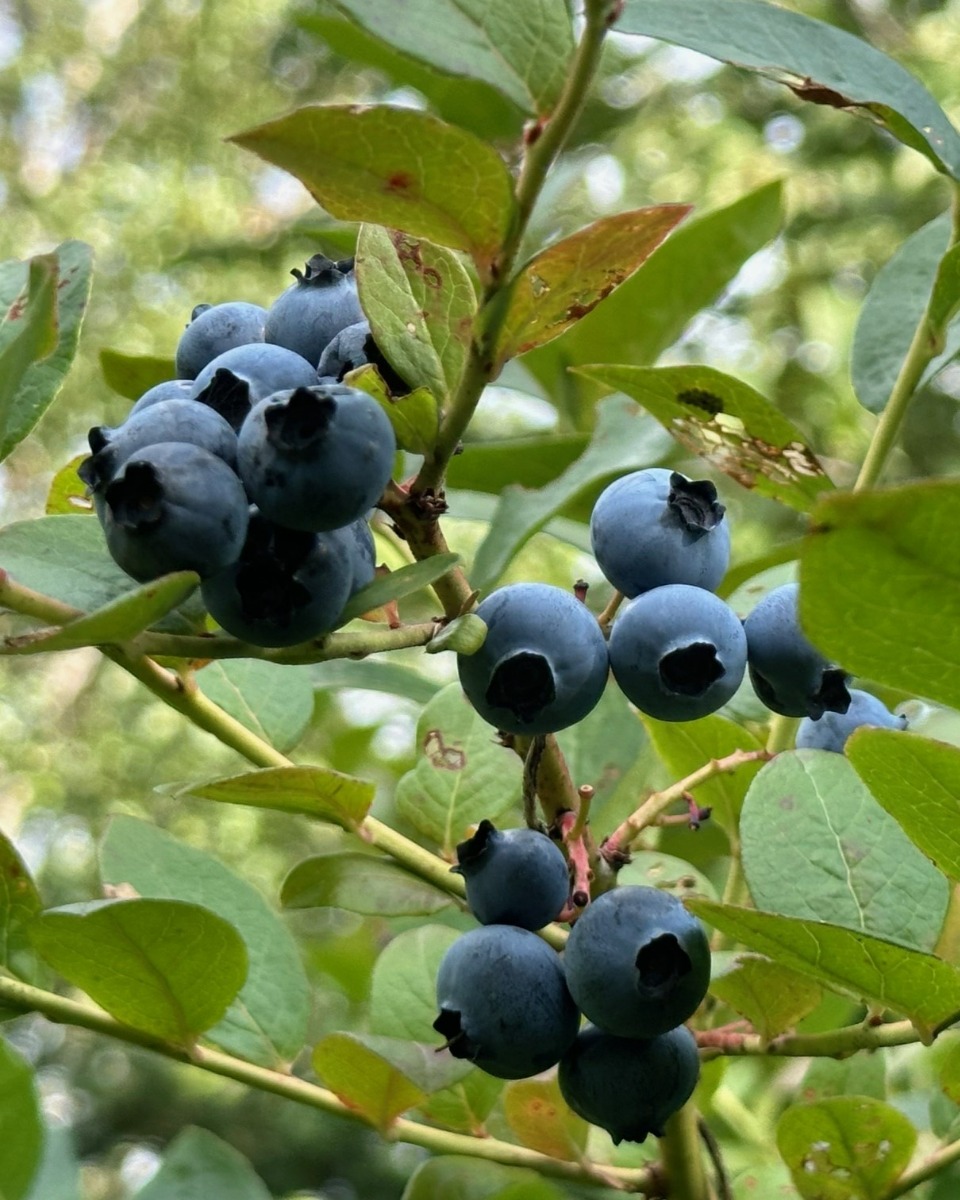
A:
531,769
680,1151
605,620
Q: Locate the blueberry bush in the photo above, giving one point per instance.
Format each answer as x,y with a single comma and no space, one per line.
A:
659,893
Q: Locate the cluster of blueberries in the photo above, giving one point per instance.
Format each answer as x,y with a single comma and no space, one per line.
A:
676,650
256,467
636,965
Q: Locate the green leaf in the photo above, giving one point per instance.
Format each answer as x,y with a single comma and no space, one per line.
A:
463,635
539,1117
403,993
600,749
22,1141
374,676
421,306
361,883
456,1178
64,557
685,746
267,1022
396,167
38,340
920,986
67,494
198,1164
274,701
650,310
893,308
382,1077
530,461
818,61
562,284
845,1148
115,622
19,903
316,792
726,422
624,440
58,1177
650,868
163,966
878,565
816,844
461,776
415,417
133,374
917,781
858,1075
772,998
398,584
464,1107
523,51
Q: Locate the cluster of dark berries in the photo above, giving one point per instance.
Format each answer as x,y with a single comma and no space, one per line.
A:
636,965
676,650
257,467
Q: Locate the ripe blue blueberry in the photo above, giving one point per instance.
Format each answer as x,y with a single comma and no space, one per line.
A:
174,507
312,311
678,652
503,1002
286,587
629,1086
543,665
316,458
170,389
236,380
213,330
830,732
513,876
354,347
358,541
637,962
790,675
655,527
165,421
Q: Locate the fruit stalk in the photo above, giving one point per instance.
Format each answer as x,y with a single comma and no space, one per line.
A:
680,1150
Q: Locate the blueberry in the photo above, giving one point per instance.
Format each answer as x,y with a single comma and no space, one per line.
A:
174,507
513,877
238,379
354,347
543,665
656,527
165,421
831,731
360,548
503,1001
312,311
316,458
213,330
629,1086
637,962
678,652
286,587
789,675
170,389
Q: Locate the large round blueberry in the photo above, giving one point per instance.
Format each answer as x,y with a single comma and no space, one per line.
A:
286,587
236,380
170,389
655,527
830,732
213,330
629,1086
312,311
790,675
513,876
316,458
637,962
543,665
174,507
165,421
504,1003
678,652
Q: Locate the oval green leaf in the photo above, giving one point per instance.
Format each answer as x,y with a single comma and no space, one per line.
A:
397,584
403,994
22,1143
456,1178
67,494
771,997
274,701
166,967
317,792
19,903
540,1118
415,417
198,1164
133,374
360,883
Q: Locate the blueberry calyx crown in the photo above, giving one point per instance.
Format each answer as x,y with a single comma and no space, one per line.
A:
661,963
832,695
136,499
266,579
200,308
695,502
690,670
469,851
228,395
300,422
523,683
456,1041
319,271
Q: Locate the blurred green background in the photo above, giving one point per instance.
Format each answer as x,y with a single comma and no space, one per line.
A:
113,115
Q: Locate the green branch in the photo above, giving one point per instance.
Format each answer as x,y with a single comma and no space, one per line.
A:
56,1008
912,1178
832,1043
